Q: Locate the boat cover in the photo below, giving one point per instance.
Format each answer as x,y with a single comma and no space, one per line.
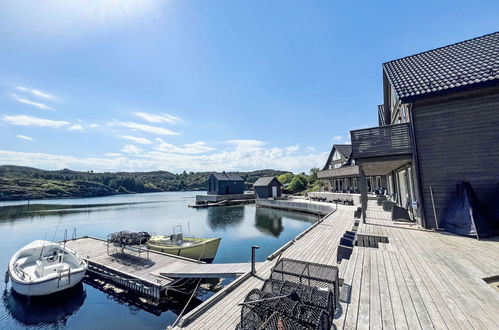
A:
465,215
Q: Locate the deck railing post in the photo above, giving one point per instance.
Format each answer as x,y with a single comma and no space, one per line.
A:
253,258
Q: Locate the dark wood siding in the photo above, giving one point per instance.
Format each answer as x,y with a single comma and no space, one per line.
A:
457,140
266,191
216,187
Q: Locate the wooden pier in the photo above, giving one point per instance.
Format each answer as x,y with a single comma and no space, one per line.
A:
151,274
418,279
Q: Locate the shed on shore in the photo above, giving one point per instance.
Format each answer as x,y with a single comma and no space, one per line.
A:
225,184
267,187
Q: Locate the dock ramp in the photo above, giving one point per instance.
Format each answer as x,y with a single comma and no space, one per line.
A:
181,270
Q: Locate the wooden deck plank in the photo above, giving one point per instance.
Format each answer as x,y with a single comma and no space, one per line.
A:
384,294
352,310
395,295
375,311
458,289
365,292
406,300
455,318
346,293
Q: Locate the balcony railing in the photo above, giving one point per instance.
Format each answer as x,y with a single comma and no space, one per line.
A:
390,140
339,172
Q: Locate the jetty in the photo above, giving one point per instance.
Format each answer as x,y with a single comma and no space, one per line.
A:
409,278
149,273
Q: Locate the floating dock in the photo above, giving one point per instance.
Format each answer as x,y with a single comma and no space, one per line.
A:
151,274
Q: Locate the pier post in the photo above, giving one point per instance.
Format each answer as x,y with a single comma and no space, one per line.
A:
253,258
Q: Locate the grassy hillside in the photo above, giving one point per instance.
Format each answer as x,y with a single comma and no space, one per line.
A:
20,182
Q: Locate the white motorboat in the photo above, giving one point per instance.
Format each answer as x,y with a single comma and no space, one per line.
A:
42,267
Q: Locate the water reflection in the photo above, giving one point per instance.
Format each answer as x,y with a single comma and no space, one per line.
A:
48,310
174,302
268,221
13,212
223,217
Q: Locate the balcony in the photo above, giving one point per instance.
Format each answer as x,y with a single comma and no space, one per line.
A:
339,172
382,141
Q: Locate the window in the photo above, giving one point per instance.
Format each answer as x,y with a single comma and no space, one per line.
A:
336,155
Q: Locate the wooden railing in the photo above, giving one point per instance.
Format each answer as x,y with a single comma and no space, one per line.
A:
339,172
380,141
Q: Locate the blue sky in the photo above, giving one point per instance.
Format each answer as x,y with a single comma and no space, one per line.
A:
122,85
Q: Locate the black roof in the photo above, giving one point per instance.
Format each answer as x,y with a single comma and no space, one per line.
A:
465,63
344,149
265,181
227,176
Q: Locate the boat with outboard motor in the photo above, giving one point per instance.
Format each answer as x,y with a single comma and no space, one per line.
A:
43,267
203,249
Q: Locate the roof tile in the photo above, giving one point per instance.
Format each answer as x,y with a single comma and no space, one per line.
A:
462,64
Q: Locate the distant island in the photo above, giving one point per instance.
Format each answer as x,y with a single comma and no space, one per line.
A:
26,183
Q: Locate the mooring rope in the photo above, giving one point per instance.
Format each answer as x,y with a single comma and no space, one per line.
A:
185,307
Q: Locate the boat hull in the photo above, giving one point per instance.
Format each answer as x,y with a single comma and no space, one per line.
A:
201,249
47,287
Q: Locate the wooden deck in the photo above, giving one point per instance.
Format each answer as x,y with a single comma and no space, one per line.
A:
420,279
318,245
128,268
183,270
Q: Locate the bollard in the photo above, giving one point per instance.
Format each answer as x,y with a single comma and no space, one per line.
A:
253,257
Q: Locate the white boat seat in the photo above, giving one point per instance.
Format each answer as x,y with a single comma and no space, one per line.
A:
21,261
44,268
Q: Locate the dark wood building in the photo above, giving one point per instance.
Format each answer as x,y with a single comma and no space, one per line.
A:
267,187
225,184
438,126
341,173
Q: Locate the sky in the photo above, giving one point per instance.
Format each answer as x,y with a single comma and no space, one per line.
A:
142,85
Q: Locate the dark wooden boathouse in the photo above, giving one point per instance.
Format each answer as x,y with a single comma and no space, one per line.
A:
266,187
225,184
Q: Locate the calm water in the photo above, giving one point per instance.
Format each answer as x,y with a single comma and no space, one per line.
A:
86,307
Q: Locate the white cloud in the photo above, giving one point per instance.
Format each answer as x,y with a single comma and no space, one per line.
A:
190,148
131,149
23,120
229,160
246,143
147,128
337,138
29,102
36,92
24,137
157,118
76,127
93,125
311,149
136,139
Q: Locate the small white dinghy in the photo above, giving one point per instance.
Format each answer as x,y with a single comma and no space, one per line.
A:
42,267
